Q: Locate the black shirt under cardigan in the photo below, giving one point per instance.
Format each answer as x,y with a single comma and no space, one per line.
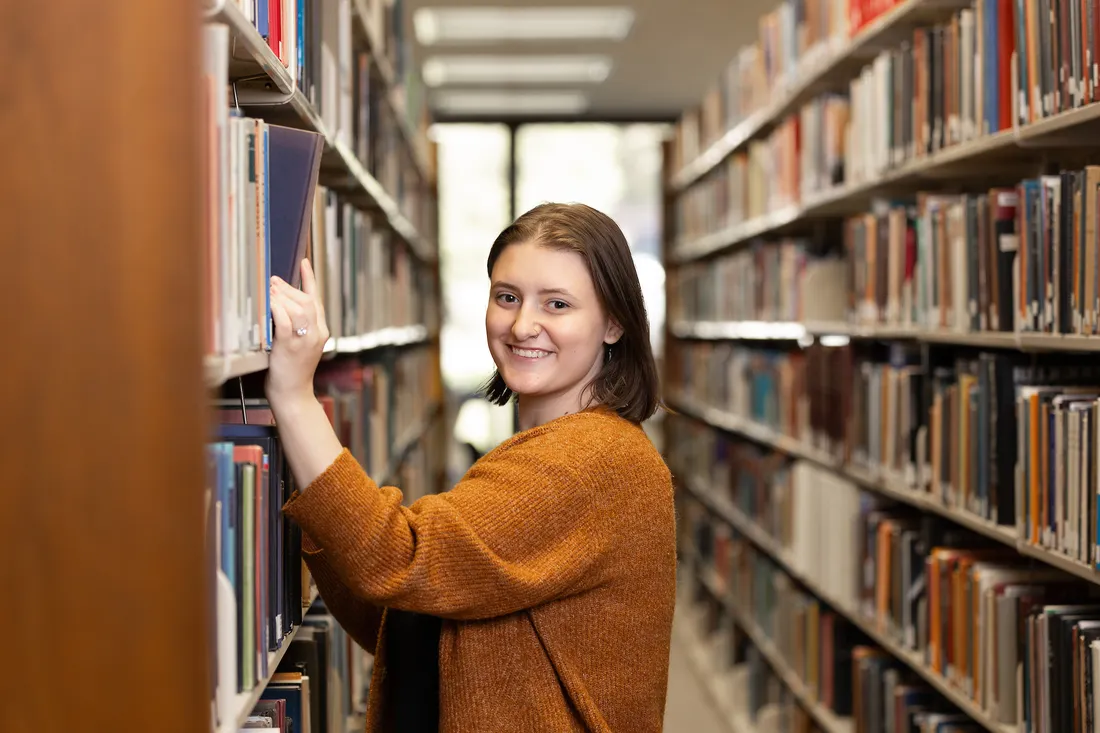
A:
412,670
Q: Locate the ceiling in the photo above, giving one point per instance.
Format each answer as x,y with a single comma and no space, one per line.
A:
673,54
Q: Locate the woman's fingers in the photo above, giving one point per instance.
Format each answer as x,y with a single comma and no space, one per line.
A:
309,287
290,291
284,328
309,281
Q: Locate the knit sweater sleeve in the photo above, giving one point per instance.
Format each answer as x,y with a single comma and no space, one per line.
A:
516,532
360,618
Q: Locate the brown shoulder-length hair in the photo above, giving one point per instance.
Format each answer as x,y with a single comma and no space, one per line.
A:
628,382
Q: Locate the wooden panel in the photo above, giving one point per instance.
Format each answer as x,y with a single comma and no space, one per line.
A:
101,400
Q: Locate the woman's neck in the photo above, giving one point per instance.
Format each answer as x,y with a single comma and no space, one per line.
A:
533,411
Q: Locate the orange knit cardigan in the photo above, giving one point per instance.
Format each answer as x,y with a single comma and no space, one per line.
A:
552,564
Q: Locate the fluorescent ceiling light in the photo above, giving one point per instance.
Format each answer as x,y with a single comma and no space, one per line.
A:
834,340
443,25
483,102
440,70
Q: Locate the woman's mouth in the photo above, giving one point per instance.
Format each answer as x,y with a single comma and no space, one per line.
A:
529,353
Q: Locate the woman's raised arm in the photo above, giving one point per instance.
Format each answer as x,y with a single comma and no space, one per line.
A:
308,440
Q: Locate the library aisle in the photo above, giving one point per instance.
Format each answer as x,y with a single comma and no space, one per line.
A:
868,236
687,708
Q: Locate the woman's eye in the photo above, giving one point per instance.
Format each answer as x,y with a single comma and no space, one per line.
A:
558,304
506,298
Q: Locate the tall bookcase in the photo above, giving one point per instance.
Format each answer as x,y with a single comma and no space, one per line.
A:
115,388
883,301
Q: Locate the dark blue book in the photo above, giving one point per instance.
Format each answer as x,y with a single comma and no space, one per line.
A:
294,163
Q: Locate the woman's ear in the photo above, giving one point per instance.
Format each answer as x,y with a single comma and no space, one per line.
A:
614,332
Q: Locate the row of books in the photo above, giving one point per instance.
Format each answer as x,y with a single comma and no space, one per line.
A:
1015,258
836,667
320,684
810,512
375,405
295,31
990,434
793,39
744,686
952,82
368,278
947,85
1012,258
803,156
764,386
257,576
732,192
785,280
1015,639
422,470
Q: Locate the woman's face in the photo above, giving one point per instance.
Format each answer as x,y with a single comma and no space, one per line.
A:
546,329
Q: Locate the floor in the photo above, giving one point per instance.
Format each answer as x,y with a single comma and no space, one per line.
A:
688,709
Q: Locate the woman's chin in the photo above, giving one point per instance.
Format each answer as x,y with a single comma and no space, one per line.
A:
522,384
522,387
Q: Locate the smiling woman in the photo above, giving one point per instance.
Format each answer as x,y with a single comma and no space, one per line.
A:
566,320
538,593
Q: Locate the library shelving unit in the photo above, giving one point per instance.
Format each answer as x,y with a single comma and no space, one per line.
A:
882,240
138,330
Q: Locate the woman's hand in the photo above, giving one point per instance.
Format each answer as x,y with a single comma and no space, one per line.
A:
300,336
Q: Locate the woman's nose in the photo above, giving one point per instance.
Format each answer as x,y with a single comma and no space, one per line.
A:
525,326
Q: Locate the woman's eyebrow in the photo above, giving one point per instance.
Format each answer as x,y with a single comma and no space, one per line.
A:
543,291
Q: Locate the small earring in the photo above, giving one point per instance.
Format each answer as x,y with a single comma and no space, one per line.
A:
608,352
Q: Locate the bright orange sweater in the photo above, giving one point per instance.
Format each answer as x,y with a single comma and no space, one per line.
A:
552,564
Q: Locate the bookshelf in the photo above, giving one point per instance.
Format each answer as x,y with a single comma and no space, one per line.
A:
880,241
371,238
118,262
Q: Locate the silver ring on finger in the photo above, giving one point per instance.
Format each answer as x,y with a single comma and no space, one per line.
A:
301,331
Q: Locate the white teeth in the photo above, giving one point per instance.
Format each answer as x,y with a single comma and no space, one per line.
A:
529,353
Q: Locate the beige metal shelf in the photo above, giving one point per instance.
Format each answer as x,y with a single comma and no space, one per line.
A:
796,330
220,369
